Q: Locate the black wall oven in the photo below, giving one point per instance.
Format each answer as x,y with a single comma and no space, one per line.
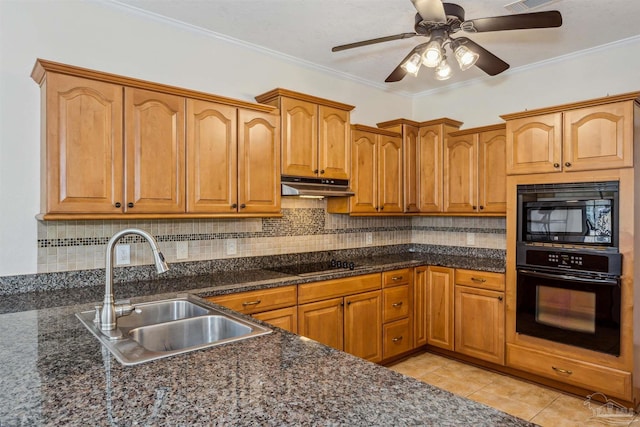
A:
571,297
568,264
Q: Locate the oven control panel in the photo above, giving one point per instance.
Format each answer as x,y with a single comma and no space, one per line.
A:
575,260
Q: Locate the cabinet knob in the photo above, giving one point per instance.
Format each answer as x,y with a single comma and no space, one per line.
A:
315,171
242,206
481,207
474,207
499,298
381,208
556,165
322,172
130,204
234,206
348,302
567,164
118,204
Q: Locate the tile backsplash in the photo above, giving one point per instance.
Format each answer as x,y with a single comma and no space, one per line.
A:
304,227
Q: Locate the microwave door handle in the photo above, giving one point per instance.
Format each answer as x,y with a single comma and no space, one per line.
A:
567,278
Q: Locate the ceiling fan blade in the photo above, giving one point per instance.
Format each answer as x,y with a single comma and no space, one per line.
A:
487,62
373,41
522,21
430,10
398,73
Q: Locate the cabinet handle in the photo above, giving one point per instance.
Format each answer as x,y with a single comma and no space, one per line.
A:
234,206
475,279
567,164
397,277
118,204
562,371
397,304
130,204
396,339
556,165
246,303
242,206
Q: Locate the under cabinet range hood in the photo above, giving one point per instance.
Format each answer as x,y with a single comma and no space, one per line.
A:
315,187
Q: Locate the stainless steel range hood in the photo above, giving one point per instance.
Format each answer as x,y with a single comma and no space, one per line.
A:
315,187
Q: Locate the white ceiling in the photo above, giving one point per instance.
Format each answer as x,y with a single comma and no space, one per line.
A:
307,30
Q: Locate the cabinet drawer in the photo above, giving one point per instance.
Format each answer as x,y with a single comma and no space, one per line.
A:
396,303
480,279
258,301
396,338
396,277
611,382
326,289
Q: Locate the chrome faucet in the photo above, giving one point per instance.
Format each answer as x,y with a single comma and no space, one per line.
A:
110,310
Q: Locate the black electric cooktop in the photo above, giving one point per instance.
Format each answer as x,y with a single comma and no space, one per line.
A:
314,268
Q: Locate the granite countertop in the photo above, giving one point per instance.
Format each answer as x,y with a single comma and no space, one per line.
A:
54,372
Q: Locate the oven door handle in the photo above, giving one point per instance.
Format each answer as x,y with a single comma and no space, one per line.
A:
565,277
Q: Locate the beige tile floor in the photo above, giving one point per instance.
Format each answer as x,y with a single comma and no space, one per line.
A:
539,404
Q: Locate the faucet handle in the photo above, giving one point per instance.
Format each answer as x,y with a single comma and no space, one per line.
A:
124,308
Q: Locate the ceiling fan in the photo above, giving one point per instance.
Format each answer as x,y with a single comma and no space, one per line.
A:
438,21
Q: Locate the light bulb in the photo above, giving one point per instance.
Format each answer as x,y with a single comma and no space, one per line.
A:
443,70
412,65
466,58
432,55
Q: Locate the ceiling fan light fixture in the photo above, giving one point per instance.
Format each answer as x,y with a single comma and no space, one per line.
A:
466,58
432,55
412,65
443,70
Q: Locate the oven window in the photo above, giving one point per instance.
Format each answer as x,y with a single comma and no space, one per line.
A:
566,309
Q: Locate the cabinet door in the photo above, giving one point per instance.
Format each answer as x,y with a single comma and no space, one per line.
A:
285,318
154,144
390,182
492,172
364,161
299,137
258,162
212,181
429,154
363,326
84,151
534,144
461,173
323,321
334,148
411,164
420,315
599,137
479,325
440,307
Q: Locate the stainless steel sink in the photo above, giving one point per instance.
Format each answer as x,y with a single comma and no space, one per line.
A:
165,328
189,333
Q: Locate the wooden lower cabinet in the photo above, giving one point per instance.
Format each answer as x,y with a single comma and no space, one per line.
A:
440,301
397,337
284,318
479,323
420,288
352,323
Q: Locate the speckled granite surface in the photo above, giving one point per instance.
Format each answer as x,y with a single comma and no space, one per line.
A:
54,372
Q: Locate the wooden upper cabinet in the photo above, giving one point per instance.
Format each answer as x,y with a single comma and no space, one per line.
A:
599,137
315,134
212,165
155,151
83,146
376,167
534,144
258,162
411,165
334,148
590,135
390,182
475,171
461,173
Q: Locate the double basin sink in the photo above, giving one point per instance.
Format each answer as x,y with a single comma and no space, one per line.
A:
165,328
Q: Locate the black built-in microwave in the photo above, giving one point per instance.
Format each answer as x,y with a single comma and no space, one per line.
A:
584,213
